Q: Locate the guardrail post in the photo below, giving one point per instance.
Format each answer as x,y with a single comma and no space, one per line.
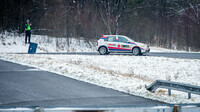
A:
169,92
39,109
189,95
175,108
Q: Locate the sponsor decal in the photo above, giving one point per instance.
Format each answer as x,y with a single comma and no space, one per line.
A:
125,46
112,44
132,43
118,49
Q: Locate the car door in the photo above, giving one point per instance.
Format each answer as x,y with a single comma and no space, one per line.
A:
111,43
124,45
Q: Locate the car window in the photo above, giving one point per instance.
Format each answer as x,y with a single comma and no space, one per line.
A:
110,39
122,39
106,39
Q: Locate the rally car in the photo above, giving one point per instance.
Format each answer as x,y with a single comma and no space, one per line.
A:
119,43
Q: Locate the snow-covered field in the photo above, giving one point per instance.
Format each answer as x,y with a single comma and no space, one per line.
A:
129,74
14,43
123,73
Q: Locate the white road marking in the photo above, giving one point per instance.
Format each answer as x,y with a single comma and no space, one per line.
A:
27,70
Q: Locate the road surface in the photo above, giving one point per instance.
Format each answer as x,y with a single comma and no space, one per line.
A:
155,54
175,55
28,86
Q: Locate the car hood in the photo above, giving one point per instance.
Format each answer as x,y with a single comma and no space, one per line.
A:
140,44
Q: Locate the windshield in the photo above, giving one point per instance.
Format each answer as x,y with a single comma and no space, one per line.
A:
131,40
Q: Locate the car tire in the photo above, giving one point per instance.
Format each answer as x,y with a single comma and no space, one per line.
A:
103,50
107,53
136,51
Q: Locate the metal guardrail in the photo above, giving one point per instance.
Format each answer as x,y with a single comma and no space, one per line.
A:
175,108
175,86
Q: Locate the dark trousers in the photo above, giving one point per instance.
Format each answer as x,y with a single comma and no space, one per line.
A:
28,34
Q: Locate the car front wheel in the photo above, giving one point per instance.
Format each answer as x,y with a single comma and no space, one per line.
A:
136,51
108,53
102,50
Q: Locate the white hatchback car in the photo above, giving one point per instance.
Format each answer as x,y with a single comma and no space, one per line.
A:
120,43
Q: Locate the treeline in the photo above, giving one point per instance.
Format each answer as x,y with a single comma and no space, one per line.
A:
171,24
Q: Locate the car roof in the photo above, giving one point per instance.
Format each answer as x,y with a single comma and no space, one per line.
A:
116,35
120,35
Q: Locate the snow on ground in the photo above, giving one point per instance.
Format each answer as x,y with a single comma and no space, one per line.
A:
129,74
14,43
159,49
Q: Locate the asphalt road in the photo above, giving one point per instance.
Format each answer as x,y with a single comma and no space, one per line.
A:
175,55
155,54
27,86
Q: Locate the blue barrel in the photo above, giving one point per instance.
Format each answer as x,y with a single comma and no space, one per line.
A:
32,48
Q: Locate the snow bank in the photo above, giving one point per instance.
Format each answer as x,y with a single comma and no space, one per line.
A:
159,49
129,74
14,43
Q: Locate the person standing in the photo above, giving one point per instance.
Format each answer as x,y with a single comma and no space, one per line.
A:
28,31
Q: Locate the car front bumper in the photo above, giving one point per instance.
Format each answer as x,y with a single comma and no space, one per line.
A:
145,50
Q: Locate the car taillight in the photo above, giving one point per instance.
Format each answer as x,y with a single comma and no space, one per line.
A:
97,43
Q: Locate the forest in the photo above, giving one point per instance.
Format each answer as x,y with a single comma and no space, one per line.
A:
173,24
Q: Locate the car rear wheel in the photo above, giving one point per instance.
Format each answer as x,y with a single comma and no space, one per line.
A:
102,50
136,51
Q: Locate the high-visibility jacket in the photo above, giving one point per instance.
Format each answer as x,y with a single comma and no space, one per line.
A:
27,27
